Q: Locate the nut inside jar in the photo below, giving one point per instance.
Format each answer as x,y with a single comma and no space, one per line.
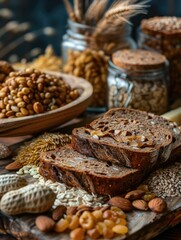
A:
147,77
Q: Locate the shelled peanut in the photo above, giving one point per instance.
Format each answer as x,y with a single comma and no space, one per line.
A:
91,65
100,222
30,92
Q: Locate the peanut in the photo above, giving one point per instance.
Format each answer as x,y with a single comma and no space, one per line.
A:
42,91
32,198
9,182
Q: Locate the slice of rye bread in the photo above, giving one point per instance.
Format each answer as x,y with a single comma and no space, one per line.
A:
124,141
148,118
76,170
152,120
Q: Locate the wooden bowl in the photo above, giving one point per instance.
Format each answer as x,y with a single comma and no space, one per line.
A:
11,127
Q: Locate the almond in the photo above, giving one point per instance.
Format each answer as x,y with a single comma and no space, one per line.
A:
14,166
122,203
44,223
136,194
157,205
71,210
140,204
58,212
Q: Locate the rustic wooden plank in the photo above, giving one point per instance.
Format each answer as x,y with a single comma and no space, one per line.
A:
142,225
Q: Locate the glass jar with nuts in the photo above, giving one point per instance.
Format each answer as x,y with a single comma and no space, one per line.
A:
85,54
163,34
138,79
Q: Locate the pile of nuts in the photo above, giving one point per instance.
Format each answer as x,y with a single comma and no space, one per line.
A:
145,96
95,222
106,222
48,61
138,79
163,34
92,66
140,199
30,92
5,69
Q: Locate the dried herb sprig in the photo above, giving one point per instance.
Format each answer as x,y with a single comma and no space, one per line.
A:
29,153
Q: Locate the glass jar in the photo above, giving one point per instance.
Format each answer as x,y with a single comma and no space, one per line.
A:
80,36
85,54
162,34
145,90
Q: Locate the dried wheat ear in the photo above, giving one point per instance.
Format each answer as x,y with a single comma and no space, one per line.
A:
29,153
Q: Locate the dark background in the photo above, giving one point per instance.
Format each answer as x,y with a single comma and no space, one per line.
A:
43,13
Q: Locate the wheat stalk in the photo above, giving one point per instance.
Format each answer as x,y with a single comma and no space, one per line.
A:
78,9
126,9
70,10
120,13
95,11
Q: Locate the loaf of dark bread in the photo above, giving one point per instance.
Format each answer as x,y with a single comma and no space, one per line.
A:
128,141
76,170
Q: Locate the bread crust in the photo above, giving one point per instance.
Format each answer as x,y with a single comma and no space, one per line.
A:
52,166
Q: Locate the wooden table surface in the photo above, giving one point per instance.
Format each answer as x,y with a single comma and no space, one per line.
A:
170,234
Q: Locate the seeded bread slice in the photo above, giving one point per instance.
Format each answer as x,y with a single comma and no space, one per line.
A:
124,141
76,170
152,120
147,118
